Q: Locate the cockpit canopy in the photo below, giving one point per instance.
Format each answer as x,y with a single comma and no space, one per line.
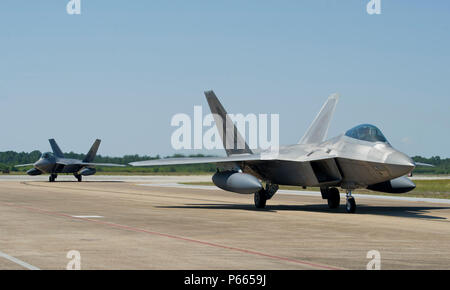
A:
366,132
46,155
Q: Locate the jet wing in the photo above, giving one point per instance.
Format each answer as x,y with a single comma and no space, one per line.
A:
24,165
198,160
102,164
313,156
423,164
69,162
319,168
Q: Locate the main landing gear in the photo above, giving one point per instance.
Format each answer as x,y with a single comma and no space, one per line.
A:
263,195
52,177
333,197
260,199
78,177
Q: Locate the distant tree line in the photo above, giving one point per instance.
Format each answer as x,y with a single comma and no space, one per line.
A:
10,158
442,166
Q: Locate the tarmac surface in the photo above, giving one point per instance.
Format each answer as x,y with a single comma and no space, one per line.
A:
152,223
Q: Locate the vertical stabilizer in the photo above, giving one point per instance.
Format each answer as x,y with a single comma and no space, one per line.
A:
231,138
318,130
55,148
92,152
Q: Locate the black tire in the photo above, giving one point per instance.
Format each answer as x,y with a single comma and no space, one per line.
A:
79,178
350,206
260,199
334,198
50,178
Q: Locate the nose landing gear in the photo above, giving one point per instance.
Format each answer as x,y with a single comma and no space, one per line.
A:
350,205
333,198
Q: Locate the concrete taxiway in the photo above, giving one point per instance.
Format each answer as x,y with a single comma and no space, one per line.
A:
122,224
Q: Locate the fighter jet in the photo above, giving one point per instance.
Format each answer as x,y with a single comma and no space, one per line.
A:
361,157
54,163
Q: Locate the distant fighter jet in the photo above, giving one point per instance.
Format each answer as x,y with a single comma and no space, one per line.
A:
360,158
54,163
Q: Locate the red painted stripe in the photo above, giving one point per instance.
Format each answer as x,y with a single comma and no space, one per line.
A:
129,228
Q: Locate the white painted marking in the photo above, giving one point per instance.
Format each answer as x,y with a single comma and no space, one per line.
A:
88,216
310,193
18,262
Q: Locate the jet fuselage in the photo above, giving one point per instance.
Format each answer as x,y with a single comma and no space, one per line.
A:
53,165
341,161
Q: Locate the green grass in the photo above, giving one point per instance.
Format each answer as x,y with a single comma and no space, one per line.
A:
439,188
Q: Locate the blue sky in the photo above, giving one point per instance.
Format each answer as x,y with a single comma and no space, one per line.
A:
122,69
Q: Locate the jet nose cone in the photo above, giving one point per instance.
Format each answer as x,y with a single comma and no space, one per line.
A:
38,164
42,165
399,158
400,164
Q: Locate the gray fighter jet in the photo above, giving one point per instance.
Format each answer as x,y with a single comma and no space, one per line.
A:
359,158
54,163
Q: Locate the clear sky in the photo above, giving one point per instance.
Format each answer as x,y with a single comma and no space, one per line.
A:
122,69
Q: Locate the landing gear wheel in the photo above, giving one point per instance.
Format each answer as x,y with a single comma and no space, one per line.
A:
78,177
260,199
334,198
52,177
350,206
